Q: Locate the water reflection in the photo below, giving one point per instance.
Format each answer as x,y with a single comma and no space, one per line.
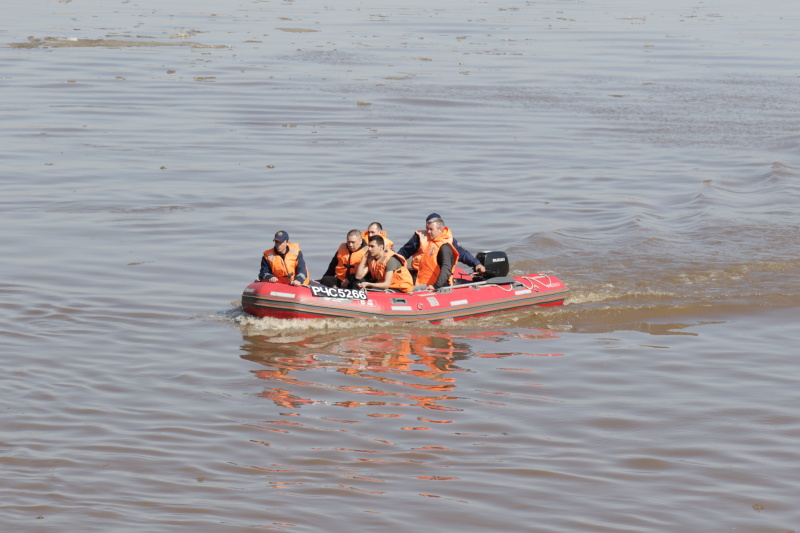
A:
350,403
377,370
391,368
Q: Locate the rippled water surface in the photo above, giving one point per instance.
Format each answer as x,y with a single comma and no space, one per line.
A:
646,153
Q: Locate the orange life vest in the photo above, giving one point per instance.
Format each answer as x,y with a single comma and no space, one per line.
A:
387,242
428,269
416,259
401,280
284,267
346,262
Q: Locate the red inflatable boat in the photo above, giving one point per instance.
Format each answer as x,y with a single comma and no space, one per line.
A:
466,299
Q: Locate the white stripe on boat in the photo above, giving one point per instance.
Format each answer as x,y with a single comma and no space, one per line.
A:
459,302
525,291
401,308
283,294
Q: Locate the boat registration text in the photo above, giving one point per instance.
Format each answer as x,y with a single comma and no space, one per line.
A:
334,292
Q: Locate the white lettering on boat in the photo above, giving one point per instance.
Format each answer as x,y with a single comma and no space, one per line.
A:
401,308
335,292
459,302
525,291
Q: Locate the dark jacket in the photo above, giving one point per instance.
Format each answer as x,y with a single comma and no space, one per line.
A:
300,271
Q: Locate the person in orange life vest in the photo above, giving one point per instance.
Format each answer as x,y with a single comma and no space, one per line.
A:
284,263
437,258
375,228
342,268
385,268
412,250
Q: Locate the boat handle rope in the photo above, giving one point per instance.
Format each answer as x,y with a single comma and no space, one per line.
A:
527,279
538,278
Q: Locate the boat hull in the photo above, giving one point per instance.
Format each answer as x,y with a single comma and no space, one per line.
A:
469,300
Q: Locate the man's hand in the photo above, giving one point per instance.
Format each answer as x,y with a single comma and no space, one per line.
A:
480,269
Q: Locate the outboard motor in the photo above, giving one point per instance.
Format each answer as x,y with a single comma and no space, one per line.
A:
496,264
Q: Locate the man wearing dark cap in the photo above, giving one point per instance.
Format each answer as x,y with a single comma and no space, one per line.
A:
414,246
284,262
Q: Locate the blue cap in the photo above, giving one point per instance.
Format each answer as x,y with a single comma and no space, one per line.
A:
432,216
281,236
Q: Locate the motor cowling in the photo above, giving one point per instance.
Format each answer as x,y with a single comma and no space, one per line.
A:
496,263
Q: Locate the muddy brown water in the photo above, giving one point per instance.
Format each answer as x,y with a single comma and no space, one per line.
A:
646,154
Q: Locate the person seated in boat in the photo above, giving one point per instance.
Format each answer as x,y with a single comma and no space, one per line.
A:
385,268
413,249
376,228
284,262
342,268
437,258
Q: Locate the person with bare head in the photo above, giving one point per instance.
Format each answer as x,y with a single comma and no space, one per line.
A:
384,268
438,257
416,245
342,268
375,228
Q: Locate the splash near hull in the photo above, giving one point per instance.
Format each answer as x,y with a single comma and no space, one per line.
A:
466,300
